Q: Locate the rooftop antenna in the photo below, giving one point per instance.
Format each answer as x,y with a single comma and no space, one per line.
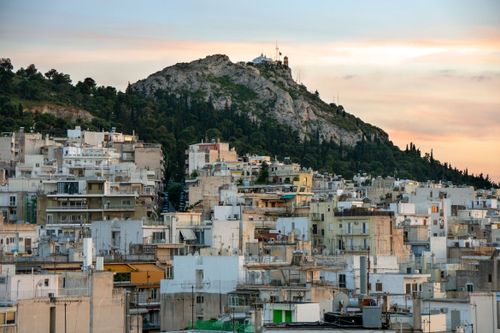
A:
277,52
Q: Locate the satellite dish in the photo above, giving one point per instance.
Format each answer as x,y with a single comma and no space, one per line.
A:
340,302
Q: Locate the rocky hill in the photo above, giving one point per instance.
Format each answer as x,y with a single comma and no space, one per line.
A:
258,89
258,109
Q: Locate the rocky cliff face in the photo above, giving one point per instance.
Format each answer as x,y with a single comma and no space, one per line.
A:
258,90
65,112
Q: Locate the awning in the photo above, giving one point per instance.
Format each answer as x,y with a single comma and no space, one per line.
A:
188,234
288,196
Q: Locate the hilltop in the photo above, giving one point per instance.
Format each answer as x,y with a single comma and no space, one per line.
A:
258,109
258,89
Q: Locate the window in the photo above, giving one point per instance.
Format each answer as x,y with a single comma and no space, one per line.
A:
274,299
349,228
169,273
435,209
12,200
200,300
378,286
469,287
365,227
158,237
199,278
408,289
489,278
342,283
46,282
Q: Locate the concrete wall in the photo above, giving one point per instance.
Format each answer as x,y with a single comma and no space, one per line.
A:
220,274
103,312
480,311
175,313
150,158
224,235
285,225
130,232
34,315
108,304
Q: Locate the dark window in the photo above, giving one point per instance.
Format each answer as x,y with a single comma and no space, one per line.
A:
342,283
378,286
408,288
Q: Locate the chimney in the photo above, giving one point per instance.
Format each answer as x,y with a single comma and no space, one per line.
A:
417,313
87,254
362,275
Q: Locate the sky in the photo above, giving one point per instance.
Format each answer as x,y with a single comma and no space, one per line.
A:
425,71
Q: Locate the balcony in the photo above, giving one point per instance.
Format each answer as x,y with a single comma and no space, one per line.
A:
72,209
110,207
317,217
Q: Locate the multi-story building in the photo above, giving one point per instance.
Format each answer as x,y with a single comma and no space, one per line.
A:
201,154
321,224
366,232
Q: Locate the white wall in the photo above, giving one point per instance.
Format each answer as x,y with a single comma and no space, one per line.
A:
224,235
438,247
221,274
380,264
26,286
130,232
308,312
227,212
285,226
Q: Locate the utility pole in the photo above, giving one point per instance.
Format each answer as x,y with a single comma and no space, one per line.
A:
65,317
192,305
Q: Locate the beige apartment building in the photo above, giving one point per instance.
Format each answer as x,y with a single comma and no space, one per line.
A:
365,232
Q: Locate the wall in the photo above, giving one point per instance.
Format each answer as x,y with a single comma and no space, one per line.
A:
215,279
286,225
224,235
108,304
34,315
130,233
175,309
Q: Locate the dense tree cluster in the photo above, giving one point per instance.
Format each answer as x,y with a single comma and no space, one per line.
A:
176,122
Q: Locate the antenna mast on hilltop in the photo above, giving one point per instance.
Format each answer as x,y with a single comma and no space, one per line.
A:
278,54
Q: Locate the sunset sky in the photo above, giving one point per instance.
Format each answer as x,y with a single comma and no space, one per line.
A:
425,71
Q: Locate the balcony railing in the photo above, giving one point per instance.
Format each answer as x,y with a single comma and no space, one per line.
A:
82,207
118,206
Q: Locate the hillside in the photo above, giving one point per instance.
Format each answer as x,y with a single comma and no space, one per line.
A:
257,90
176,115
